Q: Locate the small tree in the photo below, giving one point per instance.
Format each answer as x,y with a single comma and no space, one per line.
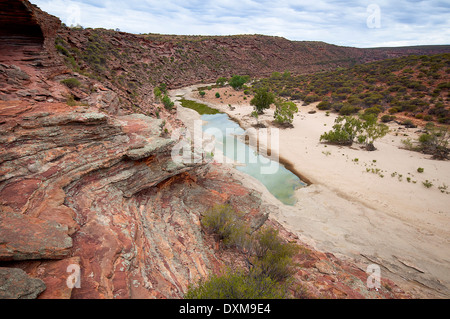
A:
221,81
349,128
238,81
202,93
284,112
372,131
344,132
262,100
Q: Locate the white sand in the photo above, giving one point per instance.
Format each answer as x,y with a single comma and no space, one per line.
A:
400,225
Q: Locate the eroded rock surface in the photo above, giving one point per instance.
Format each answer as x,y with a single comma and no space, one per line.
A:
16,284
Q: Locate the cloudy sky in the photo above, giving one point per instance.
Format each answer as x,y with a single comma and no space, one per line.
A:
363,23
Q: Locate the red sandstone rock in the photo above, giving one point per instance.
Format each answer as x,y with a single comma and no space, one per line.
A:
24,237
59,276
16,284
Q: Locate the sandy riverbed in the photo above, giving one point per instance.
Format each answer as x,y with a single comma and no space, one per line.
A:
369,206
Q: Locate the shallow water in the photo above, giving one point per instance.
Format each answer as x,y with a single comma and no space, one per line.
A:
282,183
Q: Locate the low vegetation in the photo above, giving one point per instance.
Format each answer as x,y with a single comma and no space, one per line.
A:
434,141
199,107
71,83
235,285
168,103
269,259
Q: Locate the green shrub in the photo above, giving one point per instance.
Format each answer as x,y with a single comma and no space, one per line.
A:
435,141
262,100
337,106
347,128
284,112
272,256
236,285
62,50
269,259
163,88
427,184
71,83
237,81
225,222
420,169
387,118
157,92
311,99
394,110
221,81
348,109
371,131
168,104
344,132
217,95
372,110
324,105
297,96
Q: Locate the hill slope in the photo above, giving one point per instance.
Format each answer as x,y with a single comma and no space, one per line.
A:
415,86
117,70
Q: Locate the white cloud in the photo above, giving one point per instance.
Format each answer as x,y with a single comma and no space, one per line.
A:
336,22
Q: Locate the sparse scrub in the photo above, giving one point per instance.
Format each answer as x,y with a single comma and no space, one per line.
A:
157,92
235,285
372,87
435,141
269,260
224,221
427,184
272,257
168,104
71,83
443,188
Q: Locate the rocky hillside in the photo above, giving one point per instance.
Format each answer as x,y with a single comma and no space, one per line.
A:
411,86
87,183
113,68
